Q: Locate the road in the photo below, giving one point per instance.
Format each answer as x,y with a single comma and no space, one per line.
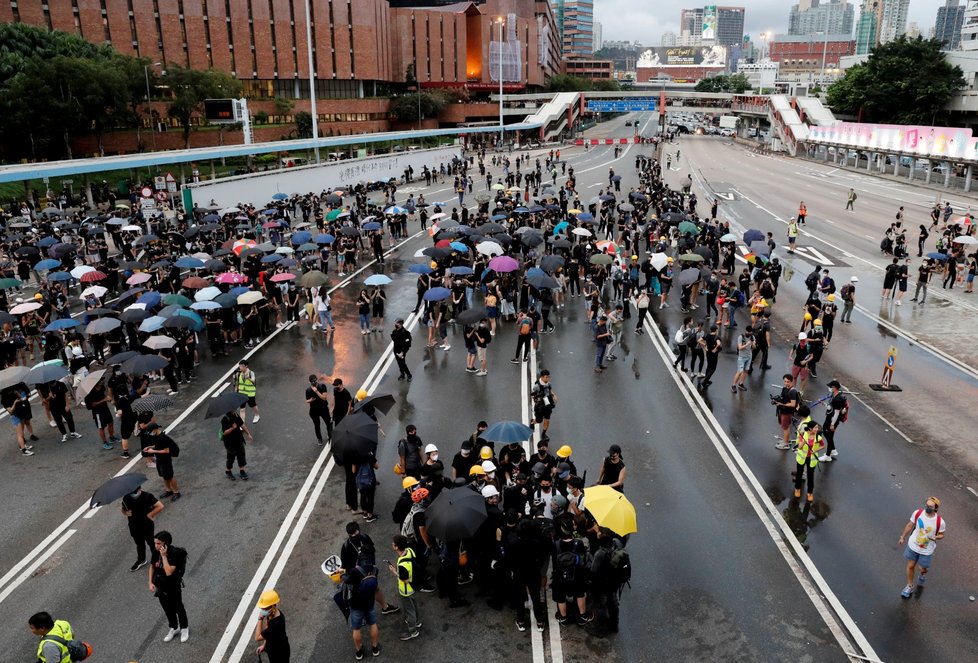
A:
716,576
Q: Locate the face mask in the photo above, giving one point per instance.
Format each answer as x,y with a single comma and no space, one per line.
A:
265,612
465,453
434,457
135,494
929,509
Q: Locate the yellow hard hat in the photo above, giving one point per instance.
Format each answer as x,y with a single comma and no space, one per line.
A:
564,452
362,394
38,296
268,598
434,265
818,322
398,469
669,259
831,298
476,470
808,317
409,482
485,453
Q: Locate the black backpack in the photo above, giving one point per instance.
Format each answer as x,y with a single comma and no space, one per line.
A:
811,281
621,567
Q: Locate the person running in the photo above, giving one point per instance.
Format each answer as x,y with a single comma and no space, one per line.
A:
245,384
928,528
233,432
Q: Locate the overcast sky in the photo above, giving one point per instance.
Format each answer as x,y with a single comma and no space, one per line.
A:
645,21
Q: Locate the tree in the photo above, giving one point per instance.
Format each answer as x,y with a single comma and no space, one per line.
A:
261,117
303,124
605,85
190,87
567,83
405,107
736,84
283,105
905,81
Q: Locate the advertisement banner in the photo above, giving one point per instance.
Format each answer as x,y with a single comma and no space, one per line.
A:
710,22
683,56
924,141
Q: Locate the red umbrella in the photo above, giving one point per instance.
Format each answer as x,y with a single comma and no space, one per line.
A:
91,277
443,243
195,283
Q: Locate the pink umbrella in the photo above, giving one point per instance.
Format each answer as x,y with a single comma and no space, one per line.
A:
503,264
140,277
285,276
231,277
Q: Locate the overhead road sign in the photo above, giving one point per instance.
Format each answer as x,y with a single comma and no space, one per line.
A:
634,105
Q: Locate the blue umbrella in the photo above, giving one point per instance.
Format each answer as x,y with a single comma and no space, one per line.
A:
521,210
461,270
377,279
240,290
211,218
62,323
458,246
59,276
192,315
301,237
372,225
420,268
499,217
396,210
48,263
535,271
560,226
753,236
45,242
507,432
188,262
585,216
325,238
536,209
937,256
151,324
279,196
205,306
272,257
308,246
437,294
151,299
270,212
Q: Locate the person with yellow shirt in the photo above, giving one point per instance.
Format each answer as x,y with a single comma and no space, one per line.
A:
809,445
403,570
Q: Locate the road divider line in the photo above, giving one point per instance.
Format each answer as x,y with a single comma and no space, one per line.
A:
847,633
218,392
37,563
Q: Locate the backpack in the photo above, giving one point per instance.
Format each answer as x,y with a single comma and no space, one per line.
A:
680,338
366,477
525,327
621,567
368,586
846,292
175,449
366,554
77,649
844,417
811,281
566,564
407,527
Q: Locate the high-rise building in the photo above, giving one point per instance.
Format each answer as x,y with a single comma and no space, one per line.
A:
668,38
598,37
969,27
720,25
894,22
575,20
868,27
947,28
730,26
811,17
691,22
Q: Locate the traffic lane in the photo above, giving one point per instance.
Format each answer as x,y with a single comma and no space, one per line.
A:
868,491
701,605
277,469
446,404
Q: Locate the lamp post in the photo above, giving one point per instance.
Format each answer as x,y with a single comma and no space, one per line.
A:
417,88
825,48
152,128
312,83
500,54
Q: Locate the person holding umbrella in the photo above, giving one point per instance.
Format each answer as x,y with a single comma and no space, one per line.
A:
140,509
162,447
233,432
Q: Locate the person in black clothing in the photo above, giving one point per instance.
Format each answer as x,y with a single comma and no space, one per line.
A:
163,449
234,431
166,582
605,587
140,508
61,409
318,400
711,346
401,339
342,401
270,630
613,470
359,551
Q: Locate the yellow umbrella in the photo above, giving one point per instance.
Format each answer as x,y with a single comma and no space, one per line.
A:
610,509
574,211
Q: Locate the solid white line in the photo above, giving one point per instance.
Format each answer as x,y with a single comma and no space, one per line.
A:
92,512
41,546
218,392
813,583
33,567
972,491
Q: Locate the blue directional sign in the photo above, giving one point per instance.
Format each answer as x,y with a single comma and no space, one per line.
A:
634,105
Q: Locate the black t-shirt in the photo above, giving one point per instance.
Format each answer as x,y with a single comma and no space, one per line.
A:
462,464
169,583
163,442
802,353
140,506
58,391
788,394
277,648
318,405
236,436
341,403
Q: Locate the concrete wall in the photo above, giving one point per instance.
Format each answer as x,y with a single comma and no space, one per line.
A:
258,188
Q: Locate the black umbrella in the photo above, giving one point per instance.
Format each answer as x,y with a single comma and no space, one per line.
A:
561,244
551,264
97,312
230,401
471,316
144,364
116,488
455,514
382,402
46,373
542,282
349,231
121,358
134,315
531,239
437,253
6,318
355,437
152,403
215,265
704,251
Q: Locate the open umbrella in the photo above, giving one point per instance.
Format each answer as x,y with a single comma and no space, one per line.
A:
116,488
141,364
437,294
728,238
601,259
753,236
689,228
659,260
62,323
689,276
354,437
551,264
88,383
229,401
13,375
313,279
46,373
102,326
581,232
26,307
377,279
152,403
420,268
381,402
152,324
489,248
471,316
455,515
507,432
542,282
611,509
250,297
760,248
965,239
933,255
690,257
159,342
503,264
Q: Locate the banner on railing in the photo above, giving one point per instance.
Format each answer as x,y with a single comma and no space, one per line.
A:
925,141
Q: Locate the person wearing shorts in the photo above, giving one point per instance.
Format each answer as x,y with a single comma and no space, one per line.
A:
787,403
470,349
925,529
483,337
745,352
363,610
13,403
800,355
97,401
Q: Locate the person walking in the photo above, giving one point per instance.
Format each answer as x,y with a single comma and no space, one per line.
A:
403,570
684,335
848,293
401,340
270,629
544,401
745,351
163,449
245,384
140,509
233,432
809,443
923,277
602,336
642,301
59,400
851,199
54,635
837,412
802,212
524,331
711,346
927,528
317,398
409,452
166,582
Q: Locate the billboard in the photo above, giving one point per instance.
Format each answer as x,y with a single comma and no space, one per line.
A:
219,111
710,22
683,56
924,141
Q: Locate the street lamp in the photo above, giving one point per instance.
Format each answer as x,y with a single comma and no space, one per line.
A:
148,103
312,84
825,47
499,21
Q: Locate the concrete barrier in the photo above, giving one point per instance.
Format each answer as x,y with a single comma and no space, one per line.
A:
258,188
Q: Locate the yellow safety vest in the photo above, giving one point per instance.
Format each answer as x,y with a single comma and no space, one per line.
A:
61,629
406,562
809,444
245,385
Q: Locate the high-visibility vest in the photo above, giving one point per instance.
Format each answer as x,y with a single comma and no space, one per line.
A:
61,629
406,562
809,444
245,384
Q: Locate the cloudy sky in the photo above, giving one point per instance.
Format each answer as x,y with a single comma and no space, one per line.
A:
645,20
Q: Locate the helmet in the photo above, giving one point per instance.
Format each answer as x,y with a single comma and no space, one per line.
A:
268,598
564,452
476,470
485,453
490,491
434,265
802,336
808,317
669,259
38,296
830,298
539,468
362,394
419,494
429,449
818,322
333,568
489,466
559,501
409,482
398,469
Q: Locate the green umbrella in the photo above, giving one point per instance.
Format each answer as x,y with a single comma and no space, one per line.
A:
691,257
7,284
601,259
332,215
177,300
688,228
313,279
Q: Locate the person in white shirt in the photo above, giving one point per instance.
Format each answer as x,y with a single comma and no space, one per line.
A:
927,528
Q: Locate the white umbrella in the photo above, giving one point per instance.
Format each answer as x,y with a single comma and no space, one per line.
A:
94,290
26,307
435,217
159,342
659,260
81,270
250,297
207,294
201,256
285,250
420,253
965,239
135,229
488,248
88,383
583,232
229,210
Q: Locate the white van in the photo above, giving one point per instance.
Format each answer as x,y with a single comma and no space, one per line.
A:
292,162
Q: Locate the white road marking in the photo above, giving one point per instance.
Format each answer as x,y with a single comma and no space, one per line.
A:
973,491
220,391
29,571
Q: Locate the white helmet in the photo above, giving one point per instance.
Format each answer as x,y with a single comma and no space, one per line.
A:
490,491
430,449
488,466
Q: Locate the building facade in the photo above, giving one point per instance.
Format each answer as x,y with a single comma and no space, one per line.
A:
894,21
711,25
810,58
730,25
867,29
947,27
577,31
812,17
